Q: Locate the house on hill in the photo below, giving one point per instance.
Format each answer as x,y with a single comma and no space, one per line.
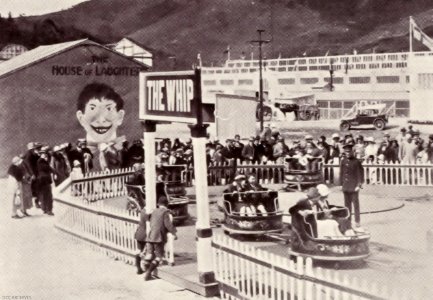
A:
40,88
133,49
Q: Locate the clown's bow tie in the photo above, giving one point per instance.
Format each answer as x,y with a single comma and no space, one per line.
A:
116,143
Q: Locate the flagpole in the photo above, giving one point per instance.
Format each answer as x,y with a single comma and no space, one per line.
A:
410,33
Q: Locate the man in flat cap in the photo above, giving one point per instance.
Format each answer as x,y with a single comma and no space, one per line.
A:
352,179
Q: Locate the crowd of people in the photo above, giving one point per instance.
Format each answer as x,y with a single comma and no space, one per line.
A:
34,171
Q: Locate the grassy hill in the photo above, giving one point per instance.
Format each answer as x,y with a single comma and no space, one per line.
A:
185,28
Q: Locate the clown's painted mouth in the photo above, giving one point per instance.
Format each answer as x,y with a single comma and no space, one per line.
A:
101,130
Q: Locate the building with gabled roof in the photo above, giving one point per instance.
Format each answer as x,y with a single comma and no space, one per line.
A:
39,91
135,50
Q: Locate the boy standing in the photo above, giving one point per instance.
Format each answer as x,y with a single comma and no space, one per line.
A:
160,225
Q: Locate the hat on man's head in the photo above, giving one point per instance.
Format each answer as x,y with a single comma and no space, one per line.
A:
188,152
386,135
308,137
312,193
251,139
82,140
335,135
360,137
240,177
348,145
57,148
416,132
45,148
76,163
17,160
30,146
38,145
403,129
323,190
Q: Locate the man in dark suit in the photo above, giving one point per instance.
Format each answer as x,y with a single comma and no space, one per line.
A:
160,225
302,209
352,178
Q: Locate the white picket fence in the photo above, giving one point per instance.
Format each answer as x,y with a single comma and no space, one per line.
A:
400,174
109,229
245,272
95,186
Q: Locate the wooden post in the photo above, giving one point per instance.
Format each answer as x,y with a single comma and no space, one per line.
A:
149,129
204,232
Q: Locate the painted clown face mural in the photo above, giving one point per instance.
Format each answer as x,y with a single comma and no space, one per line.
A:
100,112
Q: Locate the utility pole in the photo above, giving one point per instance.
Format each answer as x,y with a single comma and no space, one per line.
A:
260,42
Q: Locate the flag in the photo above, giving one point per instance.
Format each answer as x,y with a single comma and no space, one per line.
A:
419,35
304,54
199,59
227,51
355,52
327,53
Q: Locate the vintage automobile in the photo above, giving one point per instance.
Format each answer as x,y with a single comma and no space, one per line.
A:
171,186
258,224
367,115
304,242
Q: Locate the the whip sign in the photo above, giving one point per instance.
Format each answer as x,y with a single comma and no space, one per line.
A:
170,96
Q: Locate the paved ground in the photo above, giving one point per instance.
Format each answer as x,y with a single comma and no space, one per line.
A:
40,262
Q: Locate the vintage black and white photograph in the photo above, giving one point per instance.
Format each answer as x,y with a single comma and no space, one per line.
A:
216,149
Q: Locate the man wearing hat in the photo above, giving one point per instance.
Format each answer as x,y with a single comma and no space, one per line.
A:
429,148
280,150
136,152
334,148
266,133
248,150
44,179
237,147
352,178
58,163
30,162
304,207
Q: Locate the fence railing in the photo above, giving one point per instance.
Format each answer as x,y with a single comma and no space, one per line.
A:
95,186
400,174
109,228
245,272
221,174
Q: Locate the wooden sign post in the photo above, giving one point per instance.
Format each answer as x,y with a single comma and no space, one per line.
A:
176,97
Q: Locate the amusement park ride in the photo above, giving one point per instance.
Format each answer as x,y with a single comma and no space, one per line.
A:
294,231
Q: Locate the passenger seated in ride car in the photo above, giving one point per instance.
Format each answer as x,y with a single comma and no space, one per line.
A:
238,190
257,198
137,178
324,206
309,206
299,161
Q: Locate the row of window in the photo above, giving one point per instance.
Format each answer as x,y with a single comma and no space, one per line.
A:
399,65
323,60
426,80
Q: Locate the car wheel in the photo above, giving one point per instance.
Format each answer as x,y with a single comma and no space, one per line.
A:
344,126
379,124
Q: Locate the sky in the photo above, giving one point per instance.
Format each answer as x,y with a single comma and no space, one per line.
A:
34,7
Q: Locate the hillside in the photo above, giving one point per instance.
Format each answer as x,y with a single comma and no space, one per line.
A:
185,28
